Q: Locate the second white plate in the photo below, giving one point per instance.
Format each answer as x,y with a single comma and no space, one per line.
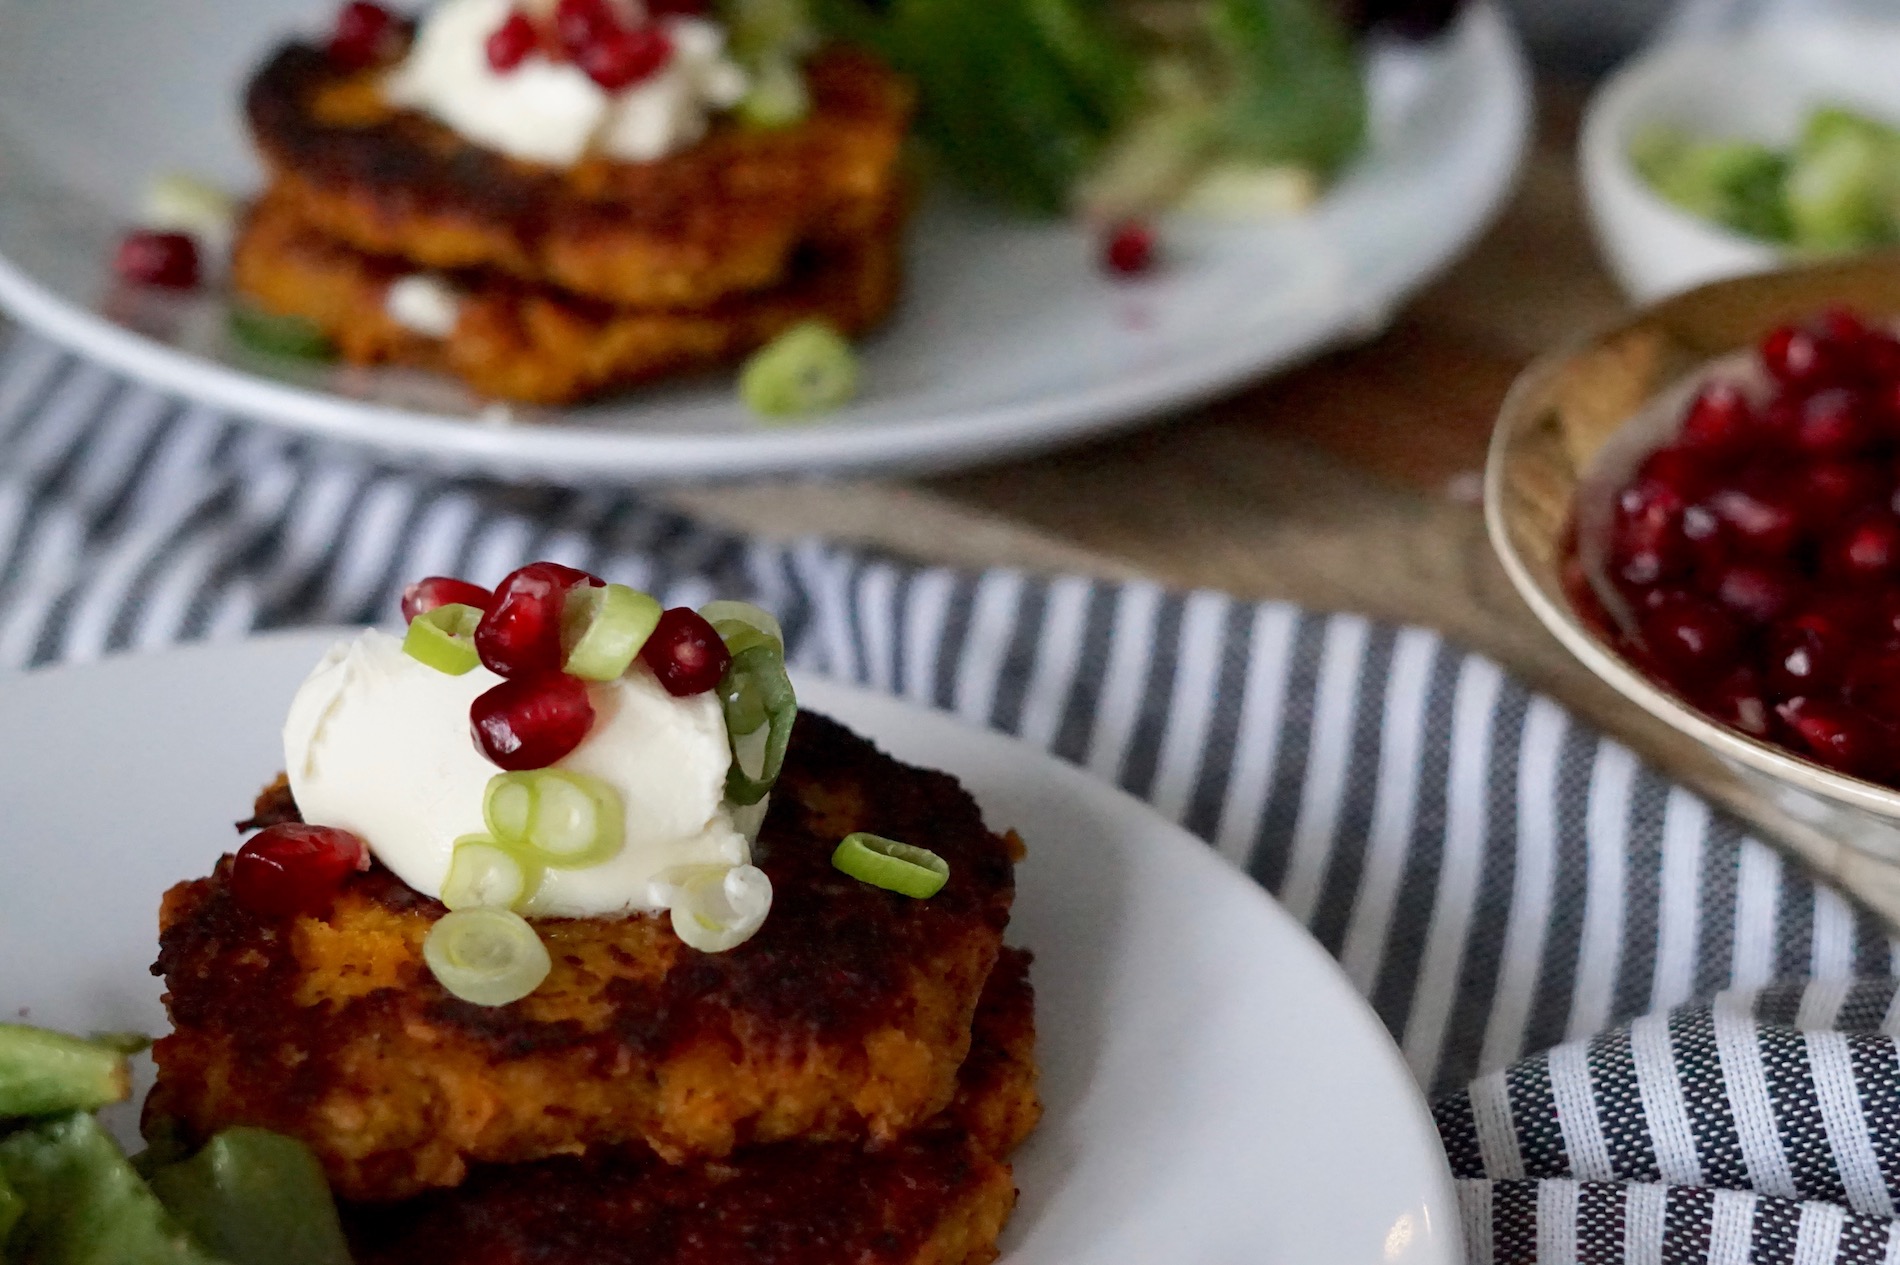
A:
1009,338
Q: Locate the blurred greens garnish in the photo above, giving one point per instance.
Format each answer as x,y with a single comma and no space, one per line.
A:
1120,106
1837,188
69,1195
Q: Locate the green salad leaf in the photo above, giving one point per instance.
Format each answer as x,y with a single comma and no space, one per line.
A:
1296,94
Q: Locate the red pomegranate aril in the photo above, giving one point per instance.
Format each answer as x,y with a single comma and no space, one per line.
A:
1832,423
1705,540
1806,656
1719,420
362,34
292,869
166,260
579,24
530,722
1825,489
571,576
686,653
1128,249
1762,524
1691,638
441,590
521,633
1873,683
1836,735
1756,593
511,43
1866,549
620,59
1796,358
1738,701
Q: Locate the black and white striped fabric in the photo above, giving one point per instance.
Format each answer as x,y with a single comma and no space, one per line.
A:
1651,1039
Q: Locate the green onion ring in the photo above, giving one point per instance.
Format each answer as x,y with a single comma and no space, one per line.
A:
723,612
755,682
603,629
486,873
489,957
893,866
562,819
444,638
272,335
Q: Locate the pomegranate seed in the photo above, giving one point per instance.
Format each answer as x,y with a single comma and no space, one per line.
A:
531,721
1796,358
1824,489
1867,549
1719,420
1681,470
623,58
292,869
521,632
1873,683
686,653
166,260
1756,593
1843,330
441,590
1836,735
580,24
1806,656
1832,423
511,43
1129,249
1691,638
362,35
571,576
1737,701
1762,524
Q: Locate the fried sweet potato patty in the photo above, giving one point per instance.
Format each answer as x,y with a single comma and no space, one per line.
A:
724,216
845,1018
937,1197
538,344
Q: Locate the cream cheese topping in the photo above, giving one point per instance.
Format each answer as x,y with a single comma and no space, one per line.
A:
378,744
551,112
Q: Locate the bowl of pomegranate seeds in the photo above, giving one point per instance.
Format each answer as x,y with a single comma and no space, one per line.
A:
1703,505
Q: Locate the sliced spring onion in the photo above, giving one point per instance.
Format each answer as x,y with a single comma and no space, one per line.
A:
744,613
810,368
756,696
490,957
273,335
565,820
715,907
444,638
603,628
485,874
779,96
893,866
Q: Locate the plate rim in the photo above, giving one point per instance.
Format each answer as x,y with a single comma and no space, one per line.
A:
1443,1245
585,455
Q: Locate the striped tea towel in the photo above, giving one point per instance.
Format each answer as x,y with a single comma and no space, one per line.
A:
1672,1046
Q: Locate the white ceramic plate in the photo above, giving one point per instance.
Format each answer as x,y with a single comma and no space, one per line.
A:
1009,338
1216,1091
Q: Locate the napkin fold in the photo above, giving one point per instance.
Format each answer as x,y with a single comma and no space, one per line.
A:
1497,878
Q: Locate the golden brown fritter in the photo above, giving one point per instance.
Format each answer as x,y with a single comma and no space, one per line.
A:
537,344
937,1197
846,1017
724,216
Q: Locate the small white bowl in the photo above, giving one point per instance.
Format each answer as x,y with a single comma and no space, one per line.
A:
1758,85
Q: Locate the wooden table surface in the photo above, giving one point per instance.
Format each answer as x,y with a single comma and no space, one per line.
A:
1350,484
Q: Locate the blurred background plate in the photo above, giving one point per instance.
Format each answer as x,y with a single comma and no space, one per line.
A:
1009,339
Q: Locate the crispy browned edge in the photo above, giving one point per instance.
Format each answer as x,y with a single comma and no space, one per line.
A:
829,984
539,345
723,216
938,1197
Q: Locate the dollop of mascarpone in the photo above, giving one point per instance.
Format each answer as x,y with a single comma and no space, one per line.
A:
378,744
551,112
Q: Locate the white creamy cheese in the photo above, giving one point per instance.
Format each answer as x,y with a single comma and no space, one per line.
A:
424,304
378,744
549,112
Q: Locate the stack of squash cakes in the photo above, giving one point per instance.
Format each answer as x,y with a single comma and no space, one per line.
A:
574,281
845,1086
